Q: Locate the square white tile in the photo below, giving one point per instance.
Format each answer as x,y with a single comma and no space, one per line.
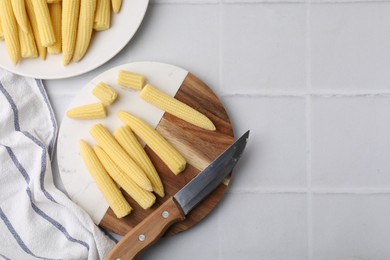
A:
351,227
263,47
349,46
254,226
276,152
351,142
199,242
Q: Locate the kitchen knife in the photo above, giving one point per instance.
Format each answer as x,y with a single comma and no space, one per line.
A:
176,208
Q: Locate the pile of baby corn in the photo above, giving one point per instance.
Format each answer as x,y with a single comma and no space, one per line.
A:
118,157
33,28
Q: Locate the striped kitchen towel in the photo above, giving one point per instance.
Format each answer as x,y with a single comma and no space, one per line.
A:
37,221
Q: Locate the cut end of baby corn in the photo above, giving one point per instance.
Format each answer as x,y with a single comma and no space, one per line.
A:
91,111
105,93
167,153
116,5
102,15
131,80
144,198
106,185
107,141
133,147
175,107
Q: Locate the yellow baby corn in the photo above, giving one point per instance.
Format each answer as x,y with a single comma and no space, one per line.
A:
105,140
34,24
144,198
1,32
45,27
70,19
175,107
55,10
10,30
106,185
116,5
131,80
91,111
132,146
102,15
169,155
19,8
85,28
105,93
27,43
53,1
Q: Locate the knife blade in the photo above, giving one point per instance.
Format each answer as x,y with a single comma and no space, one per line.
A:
177,207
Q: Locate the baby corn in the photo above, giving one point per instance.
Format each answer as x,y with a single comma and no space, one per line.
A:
104,139
55,10
105,93
85,28
27,43
10,30
116,5
46,31
131,80
70,18
175,107
102,15
144,198
19,8
168,154
106,185
34,24
91,111
132,146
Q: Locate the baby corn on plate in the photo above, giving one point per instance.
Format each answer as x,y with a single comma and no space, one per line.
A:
50,40
148,152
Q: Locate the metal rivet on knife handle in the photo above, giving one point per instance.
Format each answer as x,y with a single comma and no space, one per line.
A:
141,237
165,214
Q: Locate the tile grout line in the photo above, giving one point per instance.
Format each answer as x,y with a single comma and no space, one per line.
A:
308,132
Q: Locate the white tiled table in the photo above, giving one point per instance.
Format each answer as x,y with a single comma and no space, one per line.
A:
312,83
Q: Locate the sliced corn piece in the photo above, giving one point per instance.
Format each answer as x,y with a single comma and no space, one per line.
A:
27,43
168,154
45,27
105,140
106,185
10,30
116,5
133,147
55,10
131,80
91,111
70,20
144,198
85,28
19,8
105,93
42,51
102,15
175,107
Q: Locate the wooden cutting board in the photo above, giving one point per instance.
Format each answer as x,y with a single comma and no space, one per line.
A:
199,147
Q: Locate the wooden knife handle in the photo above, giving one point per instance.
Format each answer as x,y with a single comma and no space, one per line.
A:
147,232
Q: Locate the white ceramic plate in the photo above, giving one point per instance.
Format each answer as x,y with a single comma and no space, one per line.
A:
104,46
74,175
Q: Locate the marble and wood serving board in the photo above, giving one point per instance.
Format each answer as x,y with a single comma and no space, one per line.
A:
199,147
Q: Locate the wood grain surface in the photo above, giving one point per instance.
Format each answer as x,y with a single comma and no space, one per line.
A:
199,147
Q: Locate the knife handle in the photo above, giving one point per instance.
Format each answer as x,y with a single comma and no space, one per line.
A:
148,231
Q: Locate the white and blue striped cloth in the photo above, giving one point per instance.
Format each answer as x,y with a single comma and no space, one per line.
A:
37,221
